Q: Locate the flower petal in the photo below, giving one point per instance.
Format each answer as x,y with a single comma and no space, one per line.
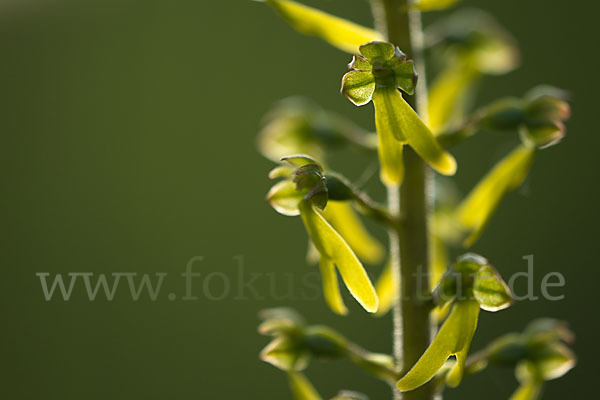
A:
477,208
386,290
331,288
345,35
377,50
449,94
528,391
302,388
284,198
432,5
344,219
332,246
454,337
358,87
397,117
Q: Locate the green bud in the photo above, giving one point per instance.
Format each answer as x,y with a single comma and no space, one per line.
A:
294,343
538,354
538,117
286,350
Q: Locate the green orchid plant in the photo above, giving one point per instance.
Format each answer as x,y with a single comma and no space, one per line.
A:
414,130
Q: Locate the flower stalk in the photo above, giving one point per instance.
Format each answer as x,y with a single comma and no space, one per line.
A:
410,202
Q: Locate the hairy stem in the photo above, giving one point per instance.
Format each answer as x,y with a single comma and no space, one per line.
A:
411,202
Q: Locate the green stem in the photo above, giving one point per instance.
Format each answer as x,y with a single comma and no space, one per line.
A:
378,212
409,243
362,358
365,204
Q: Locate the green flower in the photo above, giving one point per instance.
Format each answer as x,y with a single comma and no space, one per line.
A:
304,192
376,76
467,286
294,342
538,354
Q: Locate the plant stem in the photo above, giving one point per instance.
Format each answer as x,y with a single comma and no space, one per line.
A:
409,243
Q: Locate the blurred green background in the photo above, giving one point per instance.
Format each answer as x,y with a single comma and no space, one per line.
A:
128,145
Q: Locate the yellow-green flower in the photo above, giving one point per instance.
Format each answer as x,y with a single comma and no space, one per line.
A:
376,76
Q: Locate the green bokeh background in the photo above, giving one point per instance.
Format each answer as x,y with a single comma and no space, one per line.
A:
128,145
